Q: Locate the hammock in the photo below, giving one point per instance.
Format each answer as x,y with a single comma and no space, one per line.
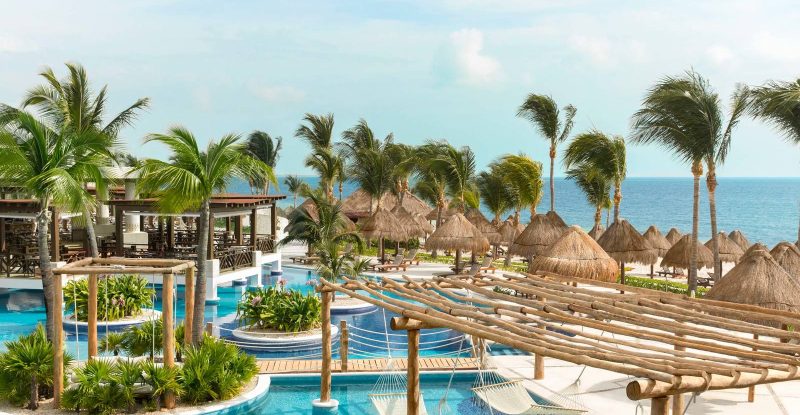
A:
512,398
393,403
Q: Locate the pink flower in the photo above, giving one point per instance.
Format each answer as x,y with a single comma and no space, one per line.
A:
256,301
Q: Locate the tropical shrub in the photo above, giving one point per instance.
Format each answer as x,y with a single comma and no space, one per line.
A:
215,370
162,380
140,340
26,369
661,285
118,297
271,308
113,342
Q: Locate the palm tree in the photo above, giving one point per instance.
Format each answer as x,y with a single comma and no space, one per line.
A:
402,157
543,113
603,153
329,166
431,183
524,176
262,146
673,116
595,185
329,228
51,166
189,181
295,185
318,133
371,168
71,106
457,166
495,193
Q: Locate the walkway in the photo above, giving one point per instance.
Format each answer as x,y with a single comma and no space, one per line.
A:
363,365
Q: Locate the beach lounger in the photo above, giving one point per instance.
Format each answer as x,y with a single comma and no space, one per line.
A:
305,259
487,264
411,258
396,264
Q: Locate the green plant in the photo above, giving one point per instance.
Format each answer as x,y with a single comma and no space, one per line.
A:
118,297
661,285
163,380
146,338
100,387
113,342
215,370
270,308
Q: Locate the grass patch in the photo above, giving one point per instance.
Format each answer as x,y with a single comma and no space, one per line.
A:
661,285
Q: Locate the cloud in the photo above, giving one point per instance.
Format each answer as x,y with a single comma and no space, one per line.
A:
597,49
12,45
781,49
279,93
463,60
720,55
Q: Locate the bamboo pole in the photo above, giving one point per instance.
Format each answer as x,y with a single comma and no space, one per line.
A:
325,376
188,293
751,391
92,317
413,395
344,344
167,297
659,405
678,399
538,366
58,341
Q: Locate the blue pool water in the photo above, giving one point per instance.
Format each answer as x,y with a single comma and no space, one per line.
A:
293,395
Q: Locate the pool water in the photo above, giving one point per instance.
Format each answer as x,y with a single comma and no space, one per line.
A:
292,395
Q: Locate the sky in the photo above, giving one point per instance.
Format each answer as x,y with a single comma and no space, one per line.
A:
427,69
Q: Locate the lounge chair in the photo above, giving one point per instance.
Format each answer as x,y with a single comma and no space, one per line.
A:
411,258
487,264
305,259
396,264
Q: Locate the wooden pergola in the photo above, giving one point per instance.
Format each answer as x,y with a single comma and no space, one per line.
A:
92,267
672,343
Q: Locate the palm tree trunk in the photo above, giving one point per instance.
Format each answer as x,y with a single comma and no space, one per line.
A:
34,398
608,216
266,187
439,206
552,183
90,234
598,217
42,222
617,200
341,189
711,184
697,171
200,281
515,222
294,201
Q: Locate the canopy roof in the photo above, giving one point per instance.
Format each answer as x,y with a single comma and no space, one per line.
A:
658,241
383,224
738,237
458,233
537,236
311,208
357,204
553,216
679,254
412,228
729,251
487,229
507,232
625,244
595,232
575,253
446,213
673,236
787,255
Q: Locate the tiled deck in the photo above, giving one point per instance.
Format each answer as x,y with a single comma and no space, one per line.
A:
363,365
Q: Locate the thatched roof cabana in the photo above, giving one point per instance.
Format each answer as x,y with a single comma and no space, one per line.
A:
679,254
383,225
758,280
537,237
487,229
625,244
423,223
411,226
656,240
787,255
755,246
596,231
729,251
459,234
357,204
673,235
738,237
576,254
507,232
553,216
446,213
311,208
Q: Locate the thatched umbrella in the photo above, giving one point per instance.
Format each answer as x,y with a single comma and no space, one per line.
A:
553,216
487,229
758,280
595,232
411,226
508,232
738,237
673,236
660,243
313,212
576,254
459,234
754,247
383,225
625,244
787,255
537,237
423,223
679,254
729,251
359,203
446,213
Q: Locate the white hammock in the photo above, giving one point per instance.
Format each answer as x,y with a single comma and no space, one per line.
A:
393,403
512,398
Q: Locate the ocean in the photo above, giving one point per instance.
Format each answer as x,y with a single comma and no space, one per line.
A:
767,210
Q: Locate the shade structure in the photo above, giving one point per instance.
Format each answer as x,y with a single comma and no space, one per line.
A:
758,280
423,223
755,246
459,234
553,216
357,204
313,212
576,254
507,232
383,225
487,229
656,240
729,251
673,235
537,236
411,226
738,237
787,255
596,231
446,213
625,244
679,254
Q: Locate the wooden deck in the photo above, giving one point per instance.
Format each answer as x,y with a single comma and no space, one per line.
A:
363,365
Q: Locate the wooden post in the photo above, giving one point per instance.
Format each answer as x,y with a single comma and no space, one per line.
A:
458,261
237,230
253,220
171,232
119,213
678,401
188,319
273,226
622,276
210,328
92,318
659,406
227,224
344,344
538,366
167,297
58,341
211,235
325,376
751,391
55,235
412,399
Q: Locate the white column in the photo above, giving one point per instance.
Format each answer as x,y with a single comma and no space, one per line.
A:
102,208
132,221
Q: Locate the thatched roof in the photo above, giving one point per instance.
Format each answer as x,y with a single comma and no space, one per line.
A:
487,229
537,236
553,216
383,224
508,232
576,254
446,213
412,228
625,244
423,223
679,254
738,237
758,280
596,231
357,204
729,251
673,236
787,255
754,247
654,237
311,208
457,233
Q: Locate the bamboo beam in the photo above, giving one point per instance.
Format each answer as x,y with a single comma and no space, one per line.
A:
92,317
58,341
751,391
344,344
677,400
325,376
659,405
188,304
253,234
167,297
412,376
405,323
